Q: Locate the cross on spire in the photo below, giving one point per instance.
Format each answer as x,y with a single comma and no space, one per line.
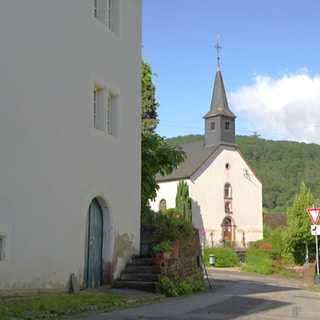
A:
217,46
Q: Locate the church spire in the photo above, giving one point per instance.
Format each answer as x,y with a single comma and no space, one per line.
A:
220,120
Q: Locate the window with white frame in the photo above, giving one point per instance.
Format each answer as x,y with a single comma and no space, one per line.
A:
107,12
113,114
2,243
99,107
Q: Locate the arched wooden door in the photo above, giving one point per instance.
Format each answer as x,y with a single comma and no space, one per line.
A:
94,245
227,231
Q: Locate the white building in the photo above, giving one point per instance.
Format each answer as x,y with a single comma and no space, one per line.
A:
70,115
225,192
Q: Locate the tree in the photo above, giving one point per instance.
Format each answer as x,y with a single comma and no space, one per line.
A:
183,201
149,105
298,238
157,156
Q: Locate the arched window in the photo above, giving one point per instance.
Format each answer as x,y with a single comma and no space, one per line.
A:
227,190
162,205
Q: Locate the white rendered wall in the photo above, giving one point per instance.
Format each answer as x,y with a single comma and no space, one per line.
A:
53,161
208,190
167,191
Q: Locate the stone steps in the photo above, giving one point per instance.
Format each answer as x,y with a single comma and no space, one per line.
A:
140,274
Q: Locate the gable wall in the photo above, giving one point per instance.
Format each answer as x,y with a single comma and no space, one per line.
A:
53,161
207,190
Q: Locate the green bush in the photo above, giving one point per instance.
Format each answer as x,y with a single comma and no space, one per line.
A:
259,261
267,232
225,257
172,226
277,242
186,287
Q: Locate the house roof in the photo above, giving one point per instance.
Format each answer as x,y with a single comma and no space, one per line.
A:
276,219
196,155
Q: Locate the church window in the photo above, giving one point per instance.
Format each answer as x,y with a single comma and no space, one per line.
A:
227,190
163,205
212,126
227,126
227,207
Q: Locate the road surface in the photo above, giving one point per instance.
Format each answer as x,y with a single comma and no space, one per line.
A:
242,296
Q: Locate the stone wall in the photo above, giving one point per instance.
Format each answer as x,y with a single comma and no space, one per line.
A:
187,264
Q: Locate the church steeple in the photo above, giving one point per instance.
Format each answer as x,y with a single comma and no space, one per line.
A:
220,120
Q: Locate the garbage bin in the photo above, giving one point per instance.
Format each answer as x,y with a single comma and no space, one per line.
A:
212,259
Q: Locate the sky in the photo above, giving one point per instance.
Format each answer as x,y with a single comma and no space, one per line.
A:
269,59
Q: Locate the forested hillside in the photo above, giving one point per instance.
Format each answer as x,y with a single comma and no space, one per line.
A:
282,165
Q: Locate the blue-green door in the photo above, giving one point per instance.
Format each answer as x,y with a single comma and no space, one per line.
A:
94,245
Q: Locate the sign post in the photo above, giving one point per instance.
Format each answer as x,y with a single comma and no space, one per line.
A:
314,215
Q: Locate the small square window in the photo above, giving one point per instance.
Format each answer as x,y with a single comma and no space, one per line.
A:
212,126
227,126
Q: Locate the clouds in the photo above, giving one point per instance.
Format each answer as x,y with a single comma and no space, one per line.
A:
287,108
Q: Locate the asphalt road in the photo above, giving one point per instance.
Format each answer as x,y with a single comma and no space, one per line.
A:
242,296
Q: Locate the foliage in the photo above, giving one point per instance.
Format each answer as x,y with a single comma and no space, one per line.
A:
276,239
163,246
265,246
186,287
157,156
273,238
225,257
267,231
172,226
183,201
263,262
148,96
57,306
282,166
147,214
258,261
298,238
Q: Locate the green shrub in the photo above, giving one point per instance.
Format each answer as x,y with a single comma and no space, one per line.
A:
258,261
163,246
267,232
172,226
225,257
186,287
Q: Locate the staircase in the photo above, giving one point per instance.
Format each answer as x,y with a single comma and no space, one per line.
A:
140,274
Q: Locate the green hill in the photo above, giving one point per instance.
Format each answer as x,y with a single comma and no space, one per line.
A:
282,165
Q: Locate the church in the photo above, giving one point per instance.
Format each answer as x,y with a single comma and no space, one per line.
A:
225,191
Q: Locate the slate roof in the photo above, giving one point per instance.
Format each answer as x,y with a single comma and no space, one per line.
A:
219,102
196,155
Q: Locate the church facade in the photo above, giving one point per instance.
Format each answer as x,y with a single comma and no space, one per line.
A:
225,191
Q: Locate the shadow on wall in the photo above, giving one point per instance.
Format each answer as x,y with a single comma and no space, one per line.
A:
198,221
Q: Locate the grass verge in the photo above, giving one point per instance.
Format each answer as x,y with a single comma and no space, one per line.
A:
65,306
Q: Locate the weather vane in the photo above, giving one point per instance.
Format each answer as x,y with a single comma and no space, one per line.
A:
217,46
